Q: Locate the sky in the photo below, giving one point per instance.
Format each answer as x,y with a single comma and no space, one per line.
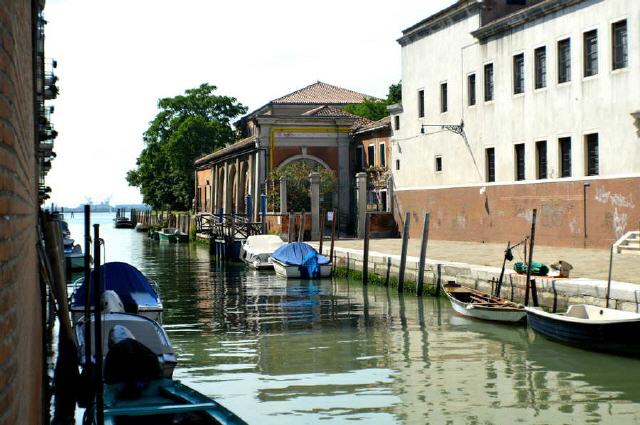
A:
116,58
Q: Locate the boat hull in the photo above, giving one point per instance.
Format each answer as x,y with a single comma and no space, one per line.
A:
613,337
295,272
166,399
493,313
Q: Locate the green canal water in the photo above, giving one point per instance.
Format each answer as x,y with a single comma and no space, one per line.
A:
303,352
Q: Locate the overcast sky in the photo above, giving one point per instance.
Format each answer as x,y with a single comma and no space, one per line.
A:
117,57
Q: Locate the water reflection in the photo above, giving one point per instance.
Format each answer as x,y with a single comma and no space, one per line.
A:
296,351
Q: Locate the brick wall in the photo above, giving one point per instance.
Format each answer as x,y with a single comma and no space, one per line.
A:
21,348
499,213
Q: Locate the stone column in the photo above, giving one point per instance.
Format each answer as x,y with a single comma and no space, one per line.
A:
344,181
283,195
314,179
390,195
228,189
237,192
361,199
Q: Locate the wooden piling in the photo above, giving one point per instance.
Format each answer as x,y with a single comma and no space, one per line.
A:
291,229
365,258
322,216
438,279
97,294
531,244
403,253
504,264
609,278
423,254
301,232
333,235
87,293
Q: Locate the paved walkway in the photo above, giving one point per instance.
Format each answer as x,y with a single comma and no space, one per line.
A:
589,263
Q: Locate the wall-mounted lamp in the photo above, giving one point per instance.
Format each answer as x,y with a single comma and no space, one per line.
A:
457,129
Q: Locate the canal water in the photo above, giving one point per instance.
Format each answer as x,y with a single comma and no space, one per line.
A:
307,352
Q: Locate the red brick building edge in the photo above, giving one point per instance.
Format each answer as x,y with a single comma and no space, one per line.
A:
590,213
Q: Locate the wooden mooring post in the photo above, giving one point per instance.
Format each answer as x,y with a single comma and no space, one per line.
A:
528,283
322,217
403,253
334,218
365,258
504,264
423,254
291,228
301,232
609,278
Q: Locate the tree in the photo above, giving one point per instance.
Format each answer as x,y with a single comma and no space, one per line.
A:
395,93
376,109
371,108
298,185
187,127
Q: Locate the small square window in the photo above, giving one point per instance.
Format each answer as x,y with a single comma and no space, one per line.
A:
540,59
397,164
488,82
565,156
593,154
444,104
620,44
490,159
518,74
396,122
471,89
564,61
438,163
421,103
590,44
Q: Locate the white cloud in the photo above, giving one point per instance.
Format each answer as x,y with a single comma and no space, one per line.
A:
117,57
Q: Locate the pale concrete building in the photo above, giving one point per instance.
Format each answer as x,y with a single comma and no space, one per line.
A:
549,94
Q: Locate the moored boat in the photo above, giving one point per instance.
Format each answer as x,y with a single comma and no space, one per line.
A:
141,227
480,305
137,292
300,260
589,327
122,222
171,234
257,249
146,331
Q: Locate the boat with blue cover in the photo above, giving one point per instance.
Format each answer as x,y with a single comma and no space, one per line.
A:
300,260
137,293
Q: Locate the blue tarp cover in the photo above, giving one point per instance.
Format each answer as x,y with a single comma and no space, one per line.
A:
129,283
302,255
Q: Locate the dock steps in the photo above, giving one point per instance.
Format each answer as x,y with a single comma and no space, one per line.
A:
628,244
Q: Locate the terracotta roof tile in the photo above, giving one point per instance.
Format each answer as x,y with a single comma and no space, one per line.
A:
322,93
373,125
227,149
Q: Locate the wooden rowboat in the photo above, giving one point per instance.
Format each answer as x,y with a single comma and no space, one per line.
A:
480,305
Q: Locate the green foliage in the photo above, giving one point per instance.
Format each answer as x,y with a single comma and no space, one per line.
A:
395,93
376,109
298,185
370,108
188,126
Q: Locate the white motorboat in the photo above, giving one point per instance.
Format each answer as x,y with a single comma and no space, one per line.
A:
146,331
480,305
257,250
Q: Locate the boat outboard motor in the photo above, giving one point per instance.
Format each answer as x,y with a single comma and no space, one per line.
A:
129,363
111,303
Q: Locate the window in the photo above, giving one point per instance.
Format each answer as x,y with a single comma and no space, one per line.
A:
382,155
371,155
491,164
471,89
620,44
397,164
590,53
421,103
593,157
519,153
359,158
488,82
564,61
518,74
541,159
396,122
565,156
540,59
443,98
438,163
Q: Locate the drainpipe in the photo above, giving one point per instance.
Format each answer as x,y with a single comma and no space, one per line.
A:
585,185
